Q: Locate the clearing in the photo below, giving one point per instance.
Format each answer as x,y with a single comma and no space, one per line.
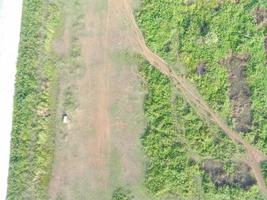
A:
98,150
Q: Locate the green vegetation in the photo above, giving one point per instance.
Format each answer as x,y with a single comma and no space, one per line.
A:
33,135
122,194
177,142
188,33
264,170
70,102
72,63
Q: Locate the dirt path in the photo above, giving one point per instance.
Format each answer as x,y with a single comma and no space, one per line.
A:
98,150
83,154
253,155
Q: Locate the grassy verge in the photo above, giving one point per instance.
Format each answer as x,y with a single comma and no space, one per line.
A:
32,135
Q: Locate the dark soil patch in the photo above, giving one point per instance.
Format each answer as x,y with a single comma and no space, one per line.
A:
201,69
239,92
260,15
241,178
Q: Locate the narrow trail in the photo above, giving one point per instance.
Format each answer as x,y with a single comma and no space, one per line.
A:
253,156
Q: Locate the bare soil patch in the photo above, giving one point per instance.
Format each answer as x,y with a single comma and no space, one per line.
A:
260,15
99,150
241,178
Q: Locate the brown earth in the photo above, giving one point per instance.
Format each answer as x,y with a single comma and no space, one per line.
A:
260,15
99,149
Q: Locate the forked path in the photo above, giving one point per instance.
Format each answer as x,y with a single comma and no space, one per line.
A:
253,156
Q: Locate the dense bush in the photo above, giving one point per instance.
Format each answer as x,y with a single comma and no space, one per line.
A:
32,136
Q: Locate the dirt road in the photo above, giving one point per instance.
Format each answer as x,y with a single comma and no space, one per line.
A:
253,155
99,150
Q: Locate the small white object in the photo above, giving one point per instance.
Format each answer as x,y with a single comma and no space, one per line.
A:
65,119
